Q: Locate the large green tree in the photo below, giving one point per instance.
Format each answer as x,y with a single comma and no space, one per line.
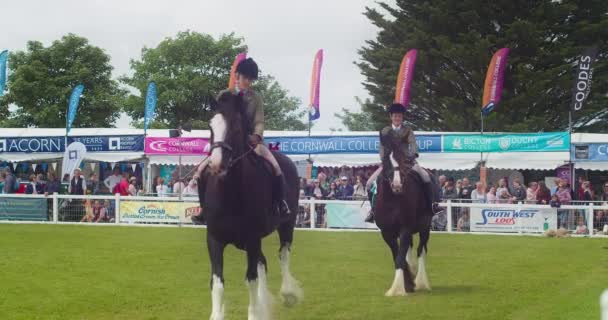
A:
190,68
456,40
41,80
281,111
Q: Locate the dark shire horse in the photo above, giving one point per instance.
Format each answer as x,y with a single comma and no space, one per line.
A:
402,210
236,198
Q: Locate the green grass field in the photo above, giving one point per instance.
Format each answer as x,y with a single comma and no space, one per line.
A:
79,272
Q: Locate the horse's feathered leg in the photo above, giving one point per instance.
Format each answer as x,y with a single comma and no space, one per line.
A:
259,297
291,292
422,280
216,254
405,240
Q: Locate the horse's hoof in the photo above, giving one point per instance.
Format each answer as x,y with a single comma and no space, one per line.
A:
395,293
289,299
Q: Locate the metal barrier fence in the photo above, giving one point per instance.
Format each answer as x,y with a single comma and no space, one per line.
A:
520,218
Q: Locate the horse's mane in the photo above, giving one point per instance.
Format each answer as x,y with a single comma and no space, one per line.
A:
231,107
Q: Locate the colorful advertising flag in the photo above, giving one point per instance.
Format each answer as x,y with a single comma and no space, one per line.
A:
492,90
315,85
582,81
240,57
73,106
404,80
150,105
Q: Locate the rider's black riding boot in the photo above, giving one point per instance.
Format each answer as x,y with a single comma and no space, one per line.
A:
201,191
432,196
280,186
370,215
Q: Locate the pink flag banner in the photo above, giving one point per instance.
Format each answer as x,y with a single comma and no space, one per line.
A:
492,89
315,86
404,79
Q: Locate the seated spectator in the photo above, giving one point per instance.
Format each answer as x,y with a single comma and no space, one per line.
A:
478,194
109,209
359,189
100,212
581,228
464,225
543,194
491,196
600,220
89,215
439,221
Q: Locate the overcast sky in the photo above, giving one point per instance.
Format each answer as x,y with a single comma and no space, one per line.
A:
282,36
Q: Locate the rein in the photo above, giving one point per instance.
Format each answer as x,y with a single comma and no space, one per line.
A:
226,146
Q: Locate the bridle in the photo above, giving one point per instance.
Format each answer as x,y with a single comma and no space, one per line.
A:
225,146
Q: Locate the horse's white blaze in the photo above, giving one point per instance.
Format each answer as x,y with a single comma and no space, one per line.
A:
290,289
411,260
398,287
396,175
422,279
218,125
217,294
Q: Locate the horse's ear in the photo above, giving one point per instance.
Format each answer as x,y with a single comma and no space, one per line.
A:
212,103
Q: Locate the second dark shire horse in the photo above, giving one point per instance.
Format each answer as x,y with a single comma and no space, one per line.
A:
235,192
402,210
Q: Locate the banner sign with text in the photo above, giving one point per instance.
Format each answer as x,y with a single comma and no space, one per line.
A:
333,144
177,146
516,142
25,209
158,212
131,143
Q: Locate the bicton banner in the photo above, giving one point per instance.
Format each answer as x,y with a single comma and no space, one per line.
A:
515,142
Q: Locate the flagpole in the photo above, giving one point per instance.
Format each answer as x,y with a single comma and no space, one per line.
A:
570,163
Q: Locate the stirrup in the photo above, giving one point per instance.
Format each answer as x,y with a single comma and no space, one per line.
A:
284,208
370,217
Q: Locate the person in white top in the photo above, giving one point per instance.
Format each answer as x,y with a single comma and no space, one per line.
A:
479,194
111,181
178,187
161,189
192,189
